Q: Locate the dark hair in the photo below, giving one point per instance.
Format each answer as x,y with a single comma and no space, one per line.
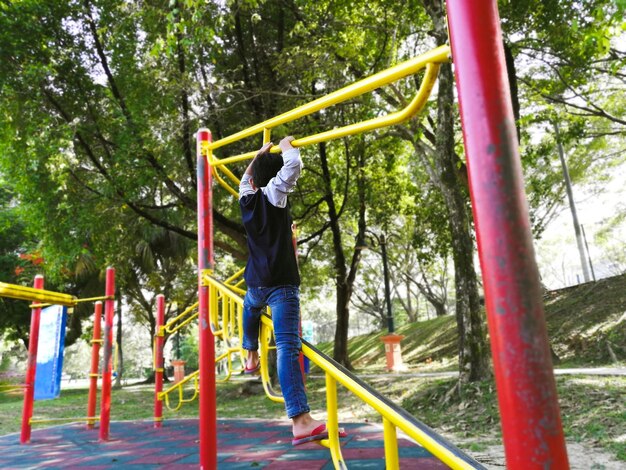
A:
265,167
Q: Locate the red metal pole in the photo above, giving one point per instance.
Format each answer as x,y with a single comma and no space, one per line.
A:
109,307
29,382
531,422
208,414
158,361
95,359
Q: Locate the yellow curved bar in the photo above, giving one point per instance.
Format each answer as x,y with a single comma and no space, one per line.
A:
40,295
164,395
389,413
222,182
414,107
171,327
264,341
439,55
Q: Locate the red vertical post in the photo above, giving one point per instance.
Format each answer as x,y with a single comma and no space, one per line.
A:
208,413
95,359
158,361
531,422
109,307
29,382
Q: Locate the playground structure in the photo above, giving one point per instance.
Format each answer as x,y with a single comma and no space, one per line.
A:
45,298
531,424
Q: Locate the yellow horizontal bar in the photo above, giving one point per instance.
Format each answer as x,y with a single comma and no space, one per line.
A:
93,299
414,107
41,306
169,326
177,385
235,276
54,420
209,281
30,293
438,55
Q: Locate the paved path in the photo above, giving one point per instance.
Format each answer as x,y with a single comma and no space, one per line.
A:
242,443
616,371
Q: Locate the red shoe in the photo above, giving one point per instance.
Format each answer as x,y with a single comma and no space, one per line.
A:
317,434
253,370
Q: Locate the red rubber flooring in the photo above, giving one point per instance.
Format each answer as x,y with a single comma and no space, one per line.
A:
242,443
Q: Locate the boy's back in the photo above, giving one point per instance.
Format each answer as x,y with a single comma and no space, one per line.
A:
266,218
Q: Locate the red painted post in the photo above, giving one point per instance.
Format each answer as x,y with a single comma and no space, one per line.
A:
531,422
29,382
109,307
95,359
158,361
208,414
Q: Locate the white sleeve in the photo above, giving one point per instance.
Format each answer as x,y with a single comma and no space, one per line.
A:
245,187
285,180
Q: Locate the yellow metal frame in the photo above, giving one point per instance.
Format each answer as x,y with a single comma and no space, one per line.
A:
429,61
165,394
89,419
40,295
45,298
226,305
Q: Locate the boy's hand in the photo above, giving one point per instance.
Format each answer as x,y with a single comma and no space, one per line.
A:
285,144
264,149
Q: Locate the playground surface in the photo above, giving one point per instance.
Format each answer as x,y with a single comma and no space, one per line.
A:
242,443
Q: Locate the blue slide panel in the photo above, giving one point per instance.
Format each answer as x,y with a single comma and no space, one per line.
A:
50,352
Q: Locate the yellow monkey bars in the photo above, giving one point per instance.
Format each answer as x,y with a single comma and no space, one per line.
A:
225,304
430,61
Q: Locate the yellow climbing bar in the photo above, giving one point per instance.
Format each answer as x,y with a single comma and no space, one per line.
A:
165,394
414,107
181,320
436,56
40,295
430,61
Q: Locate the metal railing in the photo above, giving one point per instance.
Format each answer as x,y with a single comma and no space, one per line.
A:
223,306
393,417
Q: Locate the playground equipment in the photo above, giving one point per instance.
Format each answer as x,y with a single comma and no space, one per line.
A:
531,422
226,320
45,298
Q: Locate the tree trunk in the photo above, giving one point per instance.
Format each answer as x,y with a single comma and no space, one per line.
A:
340,352
473,350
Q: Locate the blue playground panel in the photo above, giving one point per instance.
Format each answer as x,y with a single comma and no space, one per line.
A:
242,444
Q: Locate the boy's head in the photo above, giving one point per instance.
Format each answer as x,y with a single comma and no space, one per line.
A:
265,167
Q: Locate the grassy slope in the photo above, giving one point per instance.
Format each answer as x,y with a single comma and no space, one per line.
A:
581,321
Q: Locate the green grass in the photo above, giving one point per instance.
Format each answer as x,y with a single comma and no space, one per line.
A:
581,322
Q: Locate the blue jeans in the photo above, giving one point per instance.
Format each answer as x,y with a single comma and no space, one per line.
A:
285,304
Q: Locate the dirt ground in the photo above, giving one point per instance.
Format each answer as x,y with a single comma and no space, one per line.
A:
581,457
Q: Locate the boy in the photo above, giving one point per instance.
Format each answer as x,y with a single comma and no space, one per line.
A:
272,277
